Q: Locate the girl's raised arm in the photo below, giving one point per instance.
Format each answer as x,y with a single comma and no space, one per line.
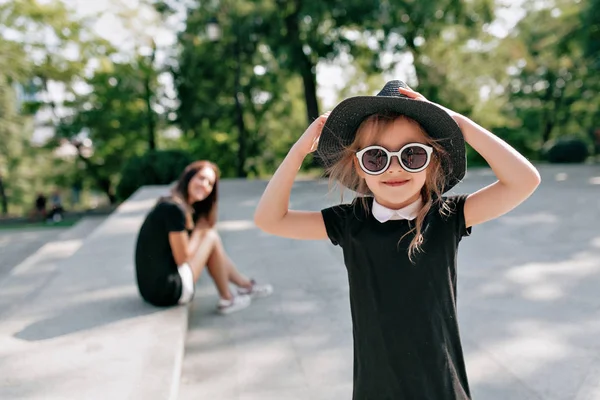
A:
272,214
517,177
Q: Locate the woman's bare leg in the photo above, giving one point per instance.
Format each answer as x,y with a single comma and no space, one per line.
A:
218,272
220,261
235,276
203,251
222,270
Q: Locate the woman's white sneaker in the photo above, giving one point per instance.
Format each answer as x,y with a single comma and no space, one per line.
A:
236,303
257,290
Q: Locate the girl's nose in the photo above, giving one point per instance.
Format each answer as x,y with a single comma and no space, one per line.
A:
395,165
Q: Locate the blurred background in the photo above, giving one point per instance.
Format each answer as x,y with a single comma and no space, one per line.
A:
98,98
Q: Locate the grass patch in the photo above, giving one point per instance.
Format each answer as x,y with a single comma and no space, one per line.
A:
65,223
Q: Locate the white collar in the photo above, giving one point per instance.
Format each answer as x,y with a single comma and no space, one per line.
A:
384,214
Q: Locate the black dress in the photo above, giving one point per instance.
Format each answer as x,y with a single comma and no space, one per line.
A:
406,338
158,281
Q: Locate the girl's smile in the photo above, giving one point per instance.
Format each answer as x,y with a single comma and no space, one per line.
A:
396,182
395,186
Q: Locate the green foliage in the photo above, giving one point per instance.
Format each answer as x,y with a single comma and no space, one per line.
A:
552,89
590,32
446,42
30,59
161,167
248,73
113,114
244,97
567,149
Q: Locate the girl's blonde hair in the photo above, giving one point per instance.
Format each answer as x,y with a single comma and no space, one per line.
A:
343,173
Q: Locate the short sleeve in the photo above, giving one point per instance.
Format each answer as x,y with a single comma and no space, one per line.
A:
456,206
173,216
336,221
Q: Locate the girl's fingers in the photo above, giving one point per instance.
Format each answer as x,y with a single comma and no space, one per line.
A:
323,117
408,92
315,144
411,93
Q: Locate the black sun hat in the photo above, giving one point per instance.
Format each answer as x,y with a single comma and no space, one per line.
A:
340,128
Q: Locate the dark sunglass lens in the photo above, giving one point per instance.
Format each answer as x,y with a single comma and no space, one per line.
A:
414,157
374,160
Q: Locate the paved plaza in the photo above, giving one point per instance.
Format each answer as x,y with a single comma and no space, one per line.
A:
73,326
529,305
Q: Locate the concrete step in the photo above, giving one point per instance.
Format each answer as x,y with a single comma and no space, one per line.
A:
82,331
28,277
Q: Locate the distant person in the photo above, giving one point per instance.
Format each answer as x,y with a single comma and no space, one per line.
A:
39,210
56,208
400,154
178,238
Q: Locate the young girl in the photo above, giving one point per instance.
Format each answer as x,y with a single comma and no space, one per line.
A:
169,260
400,236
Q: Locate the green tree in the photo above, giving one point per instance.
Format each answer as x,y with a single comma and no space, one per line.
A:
590,29
229,85
553,87
12,129
37,43
112,114
303,33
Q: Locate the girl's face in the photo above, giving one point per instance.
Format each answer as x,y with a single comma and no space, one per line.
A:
395,187
201,185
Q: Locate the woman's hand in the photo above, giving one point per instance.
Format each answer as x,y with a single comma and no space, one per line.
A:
308,142
202,224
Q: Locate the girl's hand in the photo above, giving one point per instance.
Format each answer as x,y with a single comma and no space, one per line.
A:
310,138
418,96
412,94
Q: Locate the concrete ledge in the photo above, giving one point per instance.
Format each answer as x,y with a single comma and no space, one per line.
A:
85,332
34,271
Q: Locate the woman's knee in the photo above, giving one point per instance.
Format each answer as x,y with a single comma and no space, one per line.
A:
212,236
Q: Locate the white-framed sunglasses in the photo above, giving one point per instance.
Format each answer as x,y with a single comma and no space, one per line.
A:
413,157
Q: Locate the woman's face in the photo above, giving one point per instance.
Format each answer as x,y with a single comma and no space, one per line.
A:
201,185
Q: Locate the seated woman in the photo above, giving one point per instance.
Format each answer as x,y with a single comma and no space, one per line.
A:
178,239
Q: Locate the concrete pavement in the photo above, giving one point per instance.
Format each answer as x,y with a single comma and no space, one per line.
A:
529,308
72,325
17,245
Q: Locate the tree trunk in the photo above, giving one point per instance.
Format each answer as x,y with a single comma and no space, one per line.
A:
307,67
242,134
548,121
547,127
310,88
106,187
103,184
148,99
549,115
3,198
149,116
421,71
